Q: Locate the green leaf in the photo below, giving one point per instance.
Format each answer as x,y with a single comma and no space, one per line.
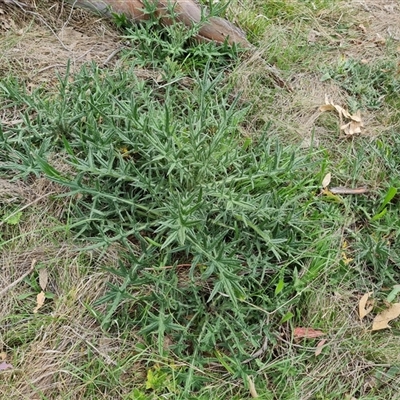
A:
379,215
24,296
151,382
325,77
392,295
392,191
287,317
279,286
14,218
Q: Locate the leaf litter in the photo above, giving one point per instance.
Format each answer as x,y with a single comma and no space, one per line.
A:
381,320
350,124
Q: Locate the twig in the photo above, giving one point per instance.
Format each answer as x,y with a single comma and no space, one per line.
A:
345,190
49,67
21,278
252,387
16,3
112,55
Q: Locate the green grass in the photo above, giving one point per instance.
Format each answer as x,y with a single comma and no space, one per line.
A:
219,242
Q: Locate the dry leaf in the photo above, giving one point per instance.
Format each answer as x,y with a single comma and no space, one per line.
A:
342,112
4,365
308,333
43,278
352,127
363,310
327,180
363,28
326,107
319,347
381,321
40,301
331,107
357,117
349,127
3,356
346,260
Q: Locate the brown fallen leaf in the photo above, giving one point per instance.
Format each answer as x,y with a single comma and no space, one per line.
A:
319,347
308,333
363,309
381,321
43,278
352,127
349,124
39,301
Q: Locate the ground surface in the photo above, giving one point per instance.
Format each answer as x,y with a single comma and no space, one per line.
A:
74,348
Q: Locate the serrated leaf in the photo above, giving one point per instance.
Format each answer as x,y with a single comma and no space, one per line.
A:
150,379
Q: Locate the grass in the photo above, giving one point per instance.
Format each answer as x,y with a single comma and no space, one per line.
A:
179,215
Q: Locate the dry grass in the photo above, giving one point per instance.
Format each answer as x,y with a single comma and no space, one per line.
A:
39,41
50,350
358,358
